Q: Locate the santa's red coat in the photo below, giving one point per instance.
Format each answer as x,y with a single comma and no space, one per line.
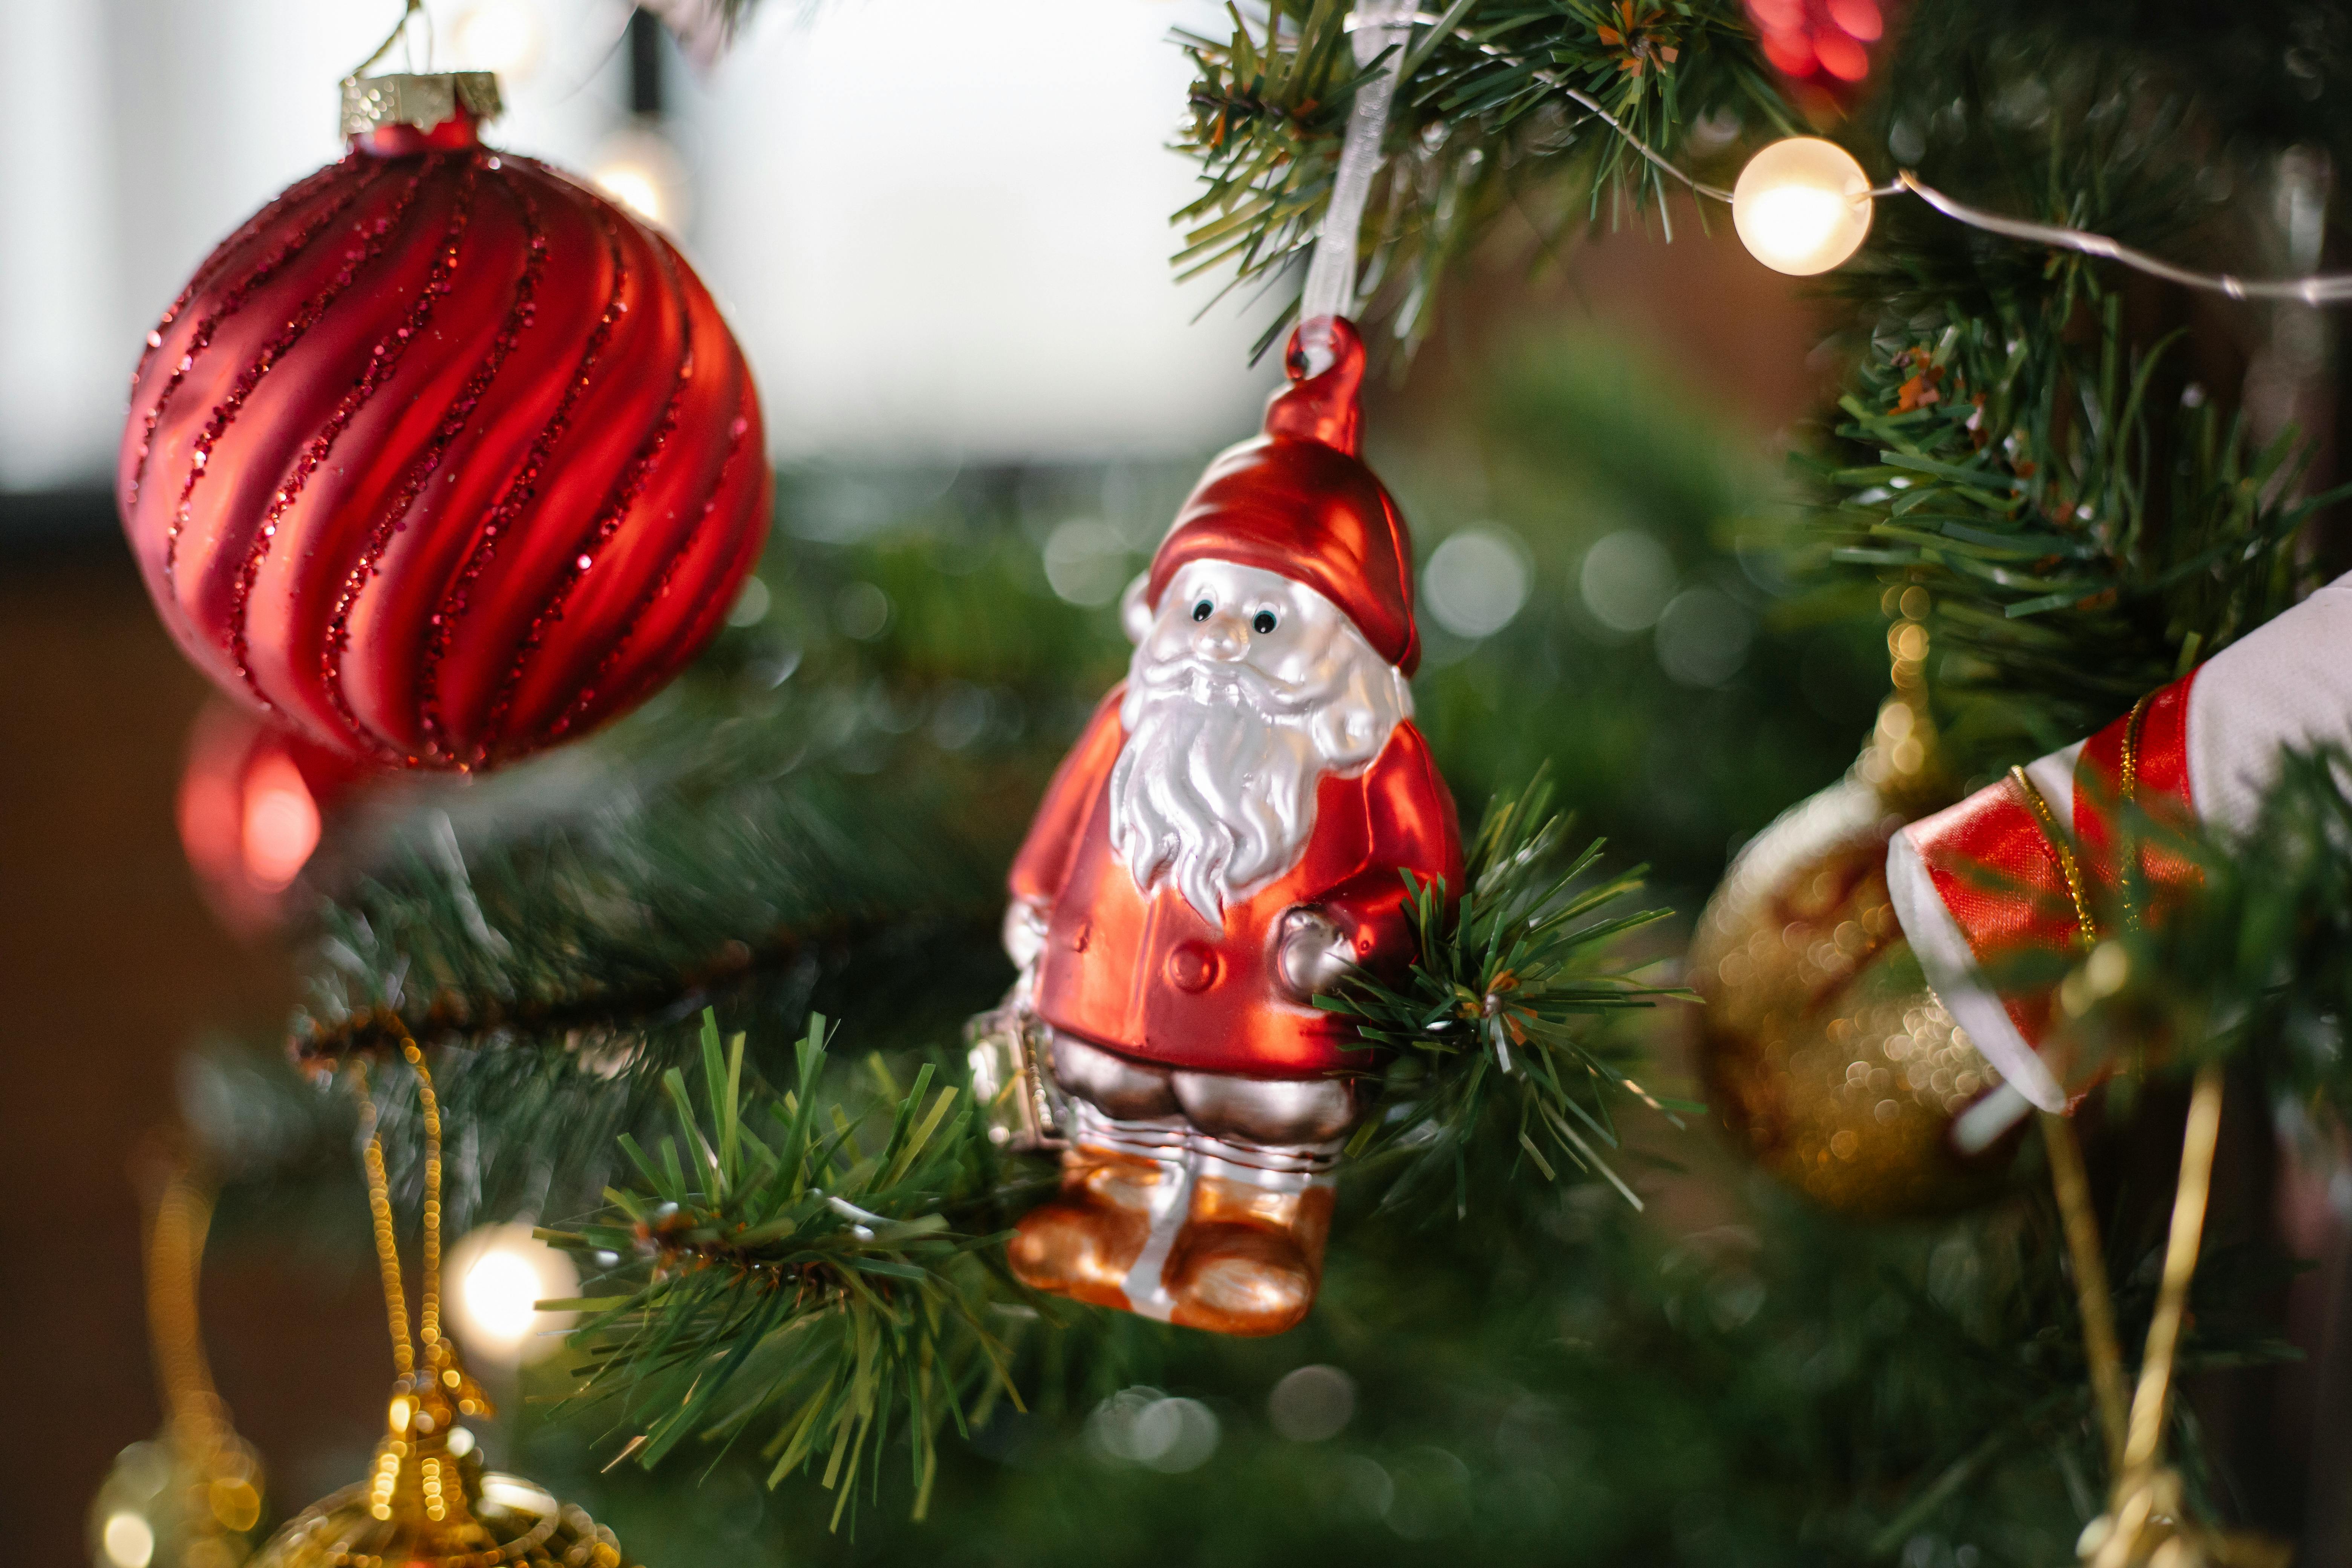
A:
1144,975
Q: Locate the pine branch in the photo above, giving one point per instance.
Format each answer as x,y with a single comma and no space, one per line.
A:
681,876
830,1277
2079,544
799,1269
1485,122
457,1015
558,944
1491,1028
2083,518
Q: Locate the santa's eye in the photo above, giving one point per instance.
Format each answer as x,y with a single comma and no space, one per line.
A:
1263,622
1200,611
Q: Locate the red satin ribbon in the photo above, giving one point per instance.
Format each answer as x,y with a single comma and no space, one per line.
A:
2158,787
2003,880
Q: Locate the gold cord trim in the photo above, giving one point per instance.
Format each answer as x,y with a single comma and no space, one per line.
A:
2047,820
2197,1146
2127,774
2133,1441
2127,788
387,1242
175,1249
2101,1346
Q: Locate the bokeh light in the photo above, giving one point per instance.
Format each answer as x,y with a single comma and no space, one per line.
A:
639,169
500,1273
502,36
1312,1403
1801,205
1626,579
1159,1432
1477,582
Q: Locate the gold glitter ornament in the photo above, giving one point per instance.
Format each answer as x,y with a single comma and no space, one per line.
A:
427,1502
190,1497
167,1503
1826,1055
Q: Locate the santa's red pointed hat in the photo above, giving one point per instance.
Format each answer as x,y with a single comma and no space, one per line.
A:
1297,502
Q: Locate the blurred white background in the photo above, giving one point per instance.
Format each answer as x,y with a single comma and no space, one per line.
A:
939,227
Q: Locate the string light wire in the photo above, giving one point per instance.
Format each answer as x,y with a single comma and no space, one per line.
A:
2316,288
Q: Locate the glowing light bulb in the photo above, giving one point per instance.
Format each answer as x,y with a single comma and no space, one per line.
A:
502,35
281,823
127,1540
639,169
1802,205
503,1272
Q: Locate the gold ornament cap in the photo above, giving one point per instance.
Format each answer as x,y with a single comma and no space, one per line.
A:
428,1503
419,101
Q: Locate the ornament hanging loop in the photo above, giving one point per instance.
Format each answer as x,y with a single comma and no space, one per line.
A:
411,10
1378,26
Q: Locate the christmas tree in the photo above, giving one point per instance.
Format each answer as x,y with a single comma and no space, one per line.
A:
1675,1214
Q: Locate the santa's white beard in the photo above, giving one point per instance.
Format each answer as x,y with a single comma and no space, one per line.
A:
1215,785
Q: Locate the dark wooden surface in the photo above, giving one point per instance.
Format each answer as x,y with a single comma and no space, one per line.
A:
110,967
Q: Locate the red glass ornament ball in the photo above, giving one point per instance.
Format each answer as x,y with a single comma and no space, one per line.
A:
443,458
254,800
1824,49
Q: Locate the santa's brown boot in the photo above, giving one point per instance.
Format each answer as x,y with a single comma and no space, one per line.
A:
1081,1243
1248,1261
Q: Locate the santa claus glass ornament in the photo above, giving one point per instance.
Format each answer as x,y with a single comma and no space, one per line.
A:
1228,839
442,458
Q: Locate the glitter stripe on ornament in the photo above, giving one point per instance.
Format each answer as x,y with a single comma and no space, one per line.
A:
520,315
520,492
383,362
225,413
736,431
217,261
619,501
200,339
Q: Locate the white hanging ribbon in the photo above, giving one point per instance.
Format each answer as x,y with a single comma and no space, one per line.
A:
1331,275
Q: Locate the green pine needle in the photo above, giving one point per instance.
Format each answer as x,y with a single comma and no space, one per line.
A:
1482,128
1492,1027
798,1270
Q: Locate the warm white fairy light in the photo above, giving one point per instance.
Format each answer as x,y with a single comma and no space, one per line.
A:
127,1539
639,169
1801,205
502,35
501,1272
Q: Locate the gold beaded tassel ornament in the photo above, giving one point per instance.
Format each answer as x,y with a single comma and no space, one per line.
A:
190,1497
1831,1061
427,1502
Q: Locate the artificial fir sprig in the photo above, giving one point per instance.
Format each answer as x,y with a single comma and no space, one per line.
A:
2082,540
1493,115
1492,1027
565,931
708,859
796,1266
